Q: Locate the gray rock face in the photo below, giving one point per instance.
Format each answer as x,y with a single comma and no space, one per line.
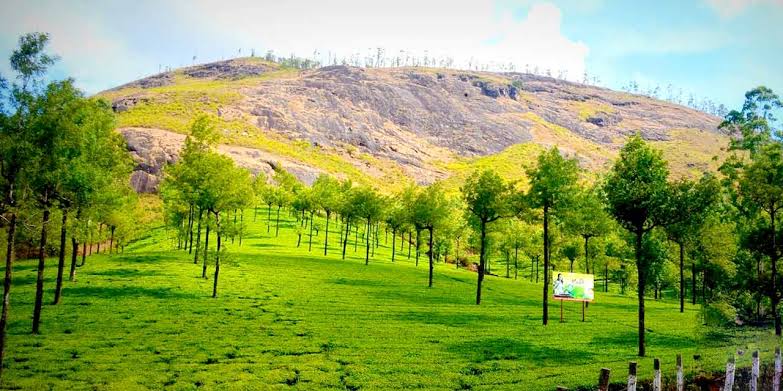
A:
153,149
415,117
229,69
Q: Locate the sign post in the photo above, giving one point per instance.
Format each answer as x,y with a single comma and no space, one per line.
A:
573,287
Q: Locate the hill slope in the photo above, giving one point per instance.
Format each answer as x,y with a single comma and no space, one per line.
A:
381,125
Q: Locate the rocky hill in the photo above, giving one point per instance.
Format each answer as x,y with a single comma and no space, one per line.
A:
381,126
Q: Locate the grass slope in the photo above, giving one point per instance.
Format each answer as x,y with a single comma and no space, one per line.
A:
286,317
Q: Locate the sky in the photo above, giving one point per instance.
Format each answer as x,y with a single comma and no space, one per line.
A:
710,48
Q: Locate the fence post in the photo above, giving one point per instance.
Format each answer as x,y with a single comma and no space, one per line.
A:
778,370
603,380
729,384
632,376
754,372
657,375
680,377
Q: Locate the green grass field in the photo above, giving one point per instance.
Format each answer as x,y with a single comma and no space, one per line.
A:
286,317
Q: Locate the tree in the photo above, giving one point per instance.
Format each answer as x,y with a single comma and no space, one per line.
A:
55,134
761,185
690,200
552,185
396,218
638,197
30,62
367,204
287,187
327,195
488,198
587,218
429,210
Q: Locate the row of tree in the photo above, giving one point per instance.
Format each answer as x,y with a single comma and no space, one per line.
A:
59,156
635,212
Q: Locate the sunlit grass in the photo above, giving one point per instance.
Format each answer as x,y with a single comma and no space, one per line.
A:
289,317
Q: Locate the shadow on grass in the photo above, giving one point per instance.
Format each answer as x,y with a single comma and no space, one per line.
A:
126,292
630,338
265,245
455,319
125,273
491,349
140,258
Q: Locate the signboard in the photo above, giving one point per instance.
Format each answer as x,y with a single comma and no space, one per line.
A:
572,286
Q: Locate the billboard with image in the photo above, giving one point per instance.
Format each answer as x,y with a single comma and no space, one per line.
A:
572,286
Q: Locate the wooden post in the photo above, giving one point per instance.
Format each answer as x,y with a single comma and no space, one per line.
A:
583,311
632,376
561,311
729,384
680,377
778,367
754,372
657,375
603,380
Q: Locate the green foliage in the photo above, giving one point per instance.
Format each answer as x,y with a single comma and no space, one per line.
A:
487,198
636,189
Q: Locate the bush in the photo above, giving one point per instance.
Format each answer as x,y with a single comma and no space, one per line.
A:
719,313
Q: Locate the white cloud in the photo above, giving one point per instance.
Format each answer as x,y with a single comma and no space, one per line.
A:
105,44
731,8
478,32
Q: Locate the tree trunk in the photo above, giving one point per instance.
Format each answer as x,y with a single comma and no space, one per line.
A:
367,254
606,277
587,256
100,231
84,253
9,262
206,250
217,255
394,242
508,264
546,267
481,262
431,251
775,297
61,259
277,224
40,278
190,230
268,217
111,239
355,238
410,240
693,282
642,278
418,237
74,253
347,231
198,236
241,225
516,259
326,236
310,245
682,277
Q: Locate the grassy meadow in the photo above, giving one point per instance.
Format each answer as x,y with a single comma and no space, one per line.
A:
287,317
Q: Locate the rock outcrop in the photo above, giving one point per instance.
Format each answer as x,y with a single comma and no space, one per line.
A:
415,118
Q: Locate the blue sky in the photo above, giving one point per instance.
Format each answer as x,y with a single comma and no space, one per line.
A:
710,48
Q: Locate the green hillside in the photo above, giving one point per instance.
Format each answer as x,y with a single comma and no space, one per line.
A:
287,317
